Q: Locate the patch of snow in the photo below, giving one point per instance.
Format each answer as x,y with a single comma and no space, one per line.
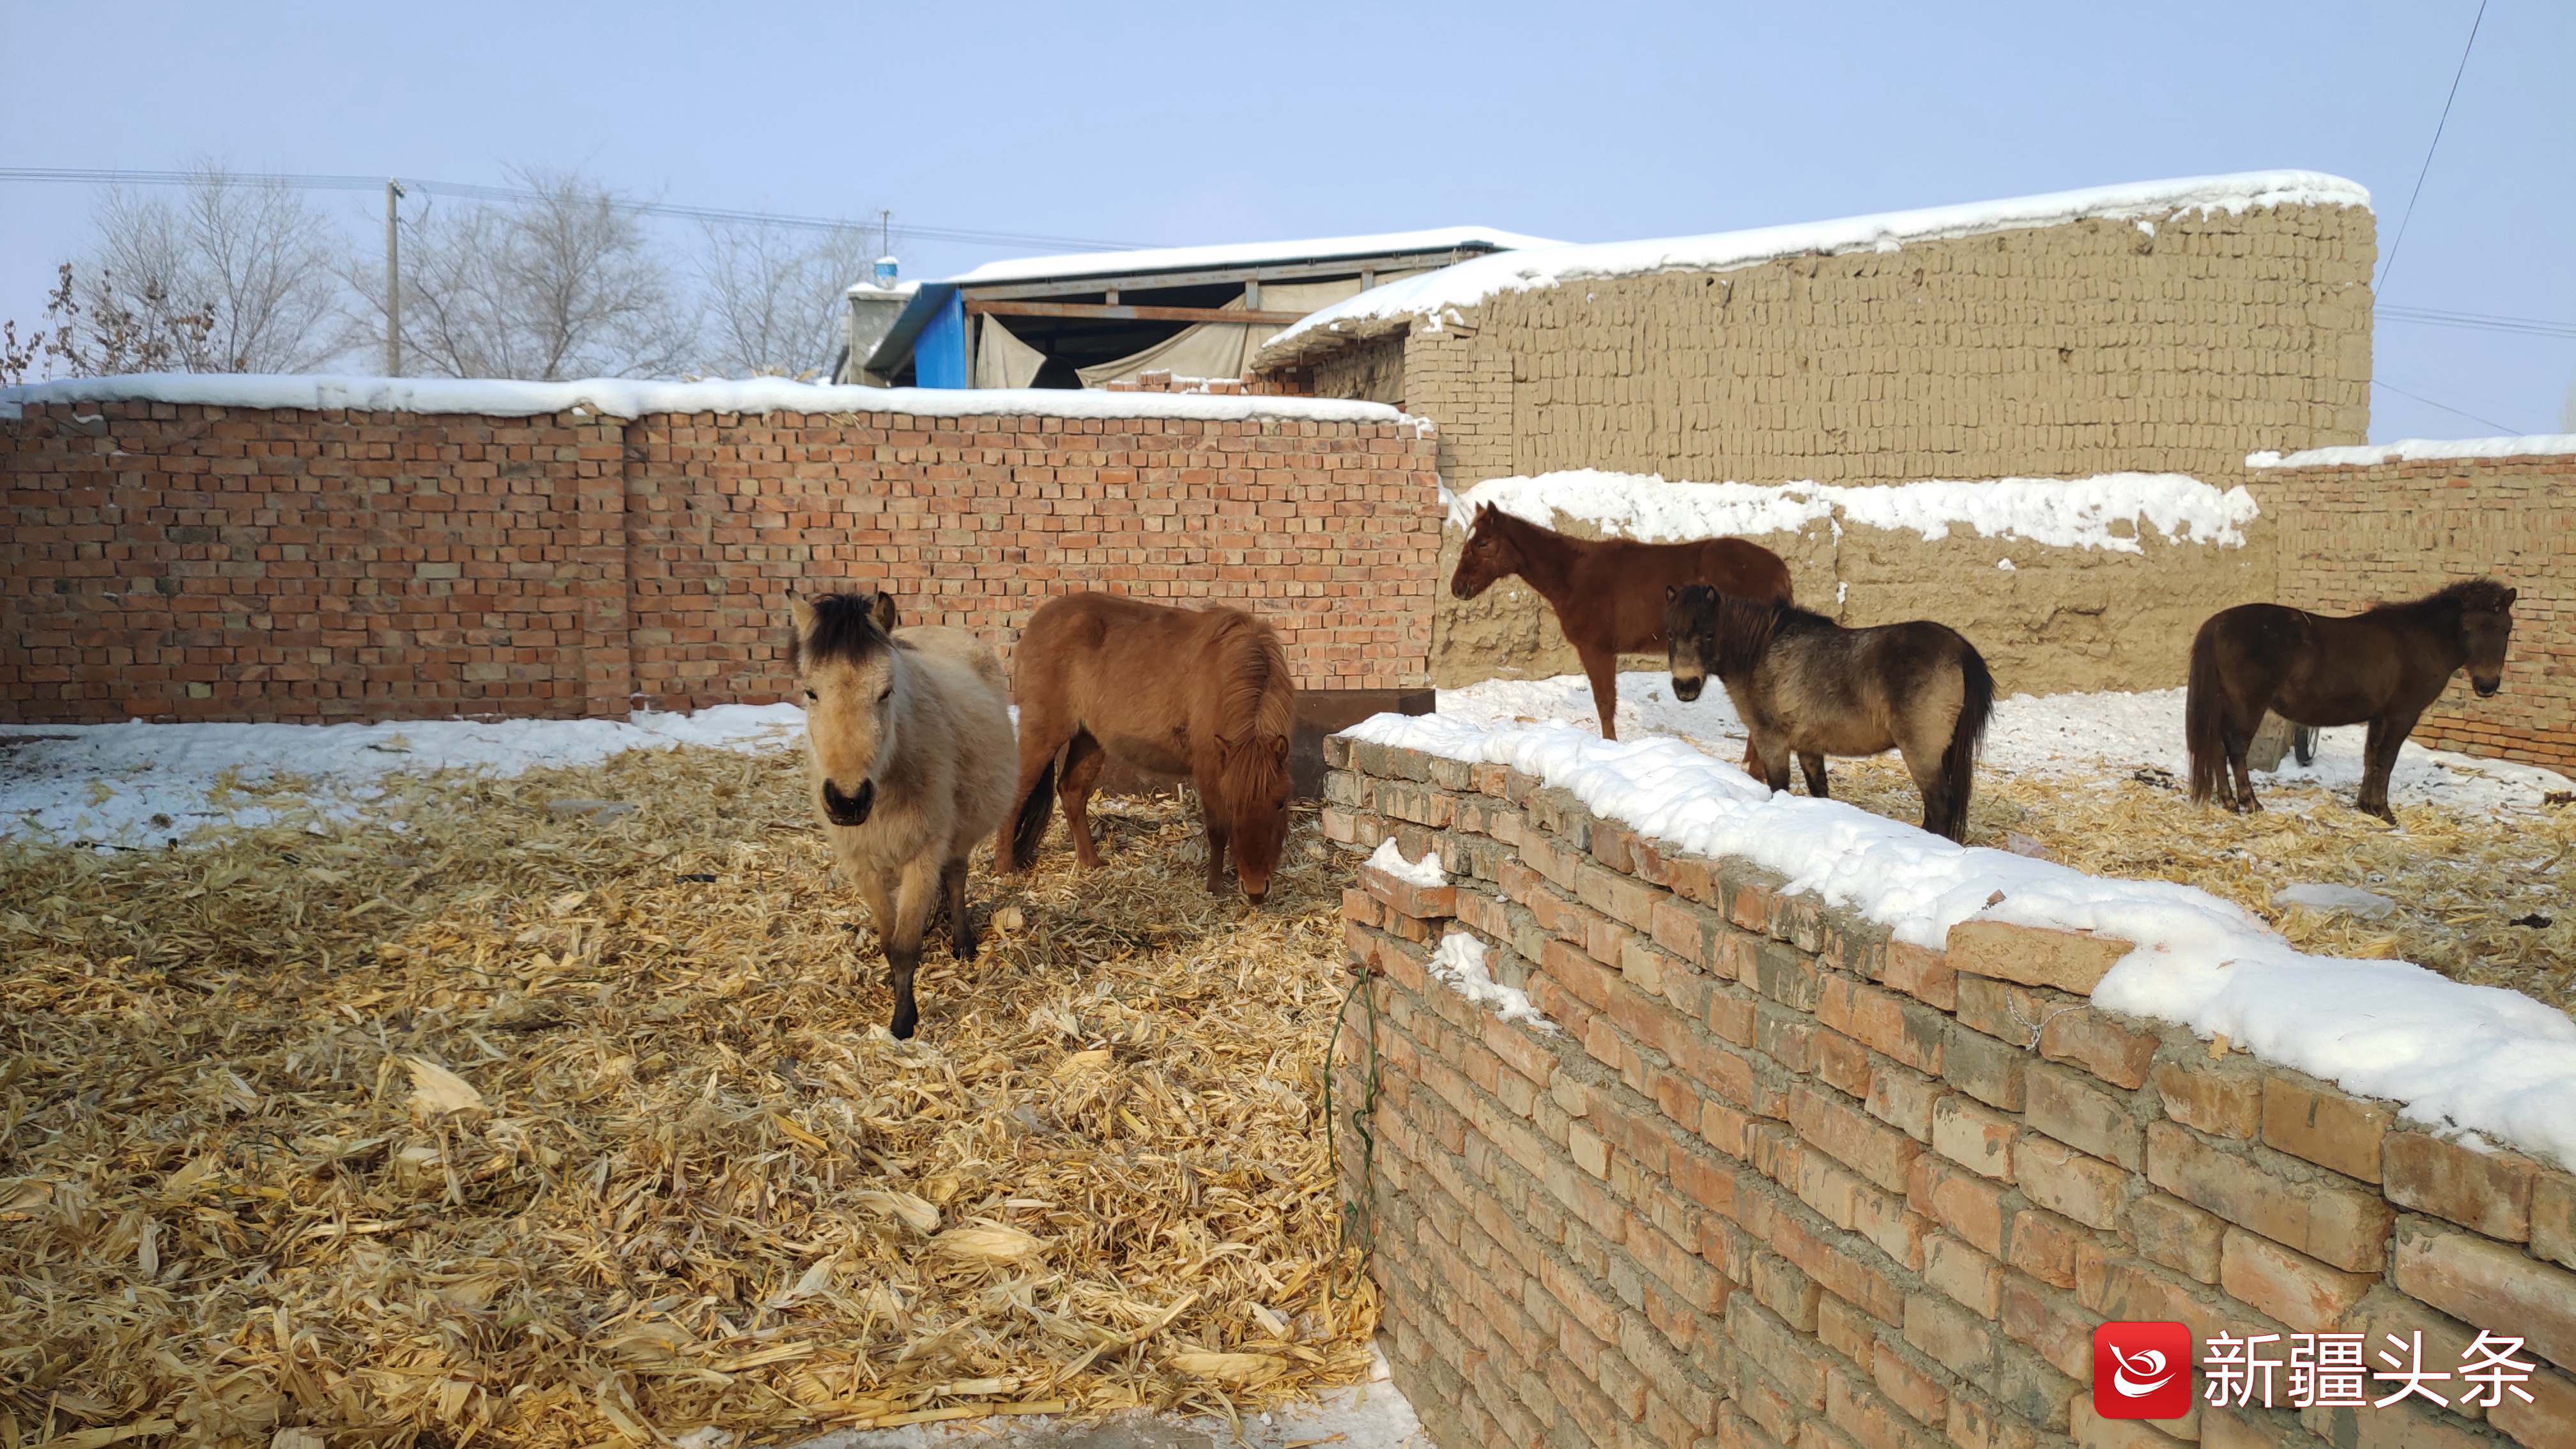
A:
871,289
140,784
2415,450
1431,295
1460,962
2110,512
1425,872
628,398
2006,565
1242,254
2334,899
2459,1056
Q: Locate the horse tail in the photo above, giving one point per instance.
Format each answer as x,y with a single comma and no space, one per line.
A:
1967,736
1029,827
2203,728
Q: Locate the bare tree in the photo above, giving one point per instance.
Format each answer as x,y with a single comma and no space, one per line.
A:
234,275
119,330
566,285
773,296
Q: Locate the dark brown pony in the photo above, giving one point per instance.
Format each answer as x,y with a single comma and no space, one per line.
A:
1198,692
1609,594
1806,684
2383,666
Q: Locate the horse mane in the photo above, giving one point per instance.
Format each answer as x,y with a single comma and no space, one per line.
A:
845,629
2466,596
1255,698
1741,629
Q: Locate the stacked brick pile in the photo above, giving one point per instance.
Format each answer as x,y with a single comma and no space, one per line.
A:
1776,1180
2352,535
178,561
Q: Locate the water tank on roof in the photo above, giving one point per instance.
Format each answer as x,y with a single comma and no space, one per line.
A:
883,275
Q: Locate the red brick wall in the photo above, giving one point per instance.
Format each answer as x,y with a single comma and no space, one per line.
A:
1779,1183
2354,536
185,562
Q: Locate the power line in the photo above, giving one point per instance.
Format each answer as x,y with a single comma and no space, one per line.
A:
2483,321
2389,263
2446,407
99,176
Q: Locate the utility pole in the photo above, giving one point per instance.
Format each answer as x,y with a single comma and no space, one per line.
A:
393,283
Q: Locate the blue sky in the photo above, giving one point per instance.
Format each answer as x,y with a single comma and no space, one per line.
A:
1190,123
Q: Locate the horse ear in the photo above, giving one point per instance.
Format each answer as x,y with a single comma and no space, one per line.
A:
801,614
884,611
1672,592
2510,595
1279,749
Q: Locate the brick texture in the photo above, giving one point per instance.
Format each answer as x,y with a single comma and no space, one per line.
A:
1741,1193
183,562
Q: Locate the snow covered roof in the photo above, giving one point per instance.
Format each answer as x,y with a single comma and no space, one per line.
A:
1245,254
2461,1058
2417,450
626,398
1394,305
2109,512
871,289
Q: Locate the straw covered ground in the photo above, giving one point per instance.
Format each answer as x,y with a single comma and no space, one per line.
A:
2486,901
475,1124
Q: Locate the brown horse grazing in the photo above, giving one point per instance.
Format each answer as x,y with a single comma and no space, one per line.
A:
2384,666
1805,683
910,733
1609,594
1198,692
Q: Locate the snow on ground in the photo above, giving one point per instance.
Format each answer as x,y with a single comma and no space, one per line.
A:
2060,735
627,398
1433,293
146,784
2417,450
2106,512
2473,1058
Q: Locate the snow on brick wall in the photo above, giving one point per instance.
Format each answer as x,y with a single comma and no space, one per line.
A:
1854,1150
187,561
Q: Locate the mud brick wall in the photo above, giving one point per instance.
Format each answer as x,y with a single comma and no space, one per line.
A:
1776,1180
171,561
2096,346
2352,536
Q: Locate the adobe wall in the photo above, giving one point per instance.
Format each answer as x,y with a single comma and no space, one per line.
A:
1777,1181
185,561
2094,346
2357,534
2058,619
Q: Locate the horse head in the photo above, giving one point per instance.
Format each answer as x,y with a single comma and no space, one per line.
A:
1489,555
846,663
2486,626
1252,772
1690,622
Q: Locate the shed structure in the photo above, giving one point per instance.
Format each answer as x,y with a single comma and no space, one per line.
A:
1093,318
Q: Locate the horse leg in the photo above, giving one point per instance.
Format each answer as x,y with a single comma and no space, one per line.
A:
2240,738
1814,766
2378,758
1603,670
952,890
1924,763
1083,758
914,893
1043,737
1216,834
1774,756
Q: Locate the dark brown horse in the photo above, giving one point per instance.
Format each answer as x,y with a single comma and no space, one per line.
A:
1609,594
1198,692
2383,666
1804,683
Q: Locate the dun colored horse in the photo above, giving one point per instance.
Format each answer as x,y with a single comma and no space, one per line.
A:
1201,693
1804,683
910,732
1609,594
2383,666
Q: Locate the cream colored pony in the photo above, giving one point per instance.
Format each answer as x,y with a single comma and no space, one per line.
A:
914,760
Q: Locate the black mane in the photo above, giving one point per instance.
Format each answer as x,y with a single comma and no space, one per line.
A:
845,629
2462,597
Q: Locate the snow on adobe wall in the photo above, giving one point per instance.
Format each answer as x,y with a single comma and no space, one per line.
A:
2419,450
2086,513
2462,1058
627,398
1431,296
